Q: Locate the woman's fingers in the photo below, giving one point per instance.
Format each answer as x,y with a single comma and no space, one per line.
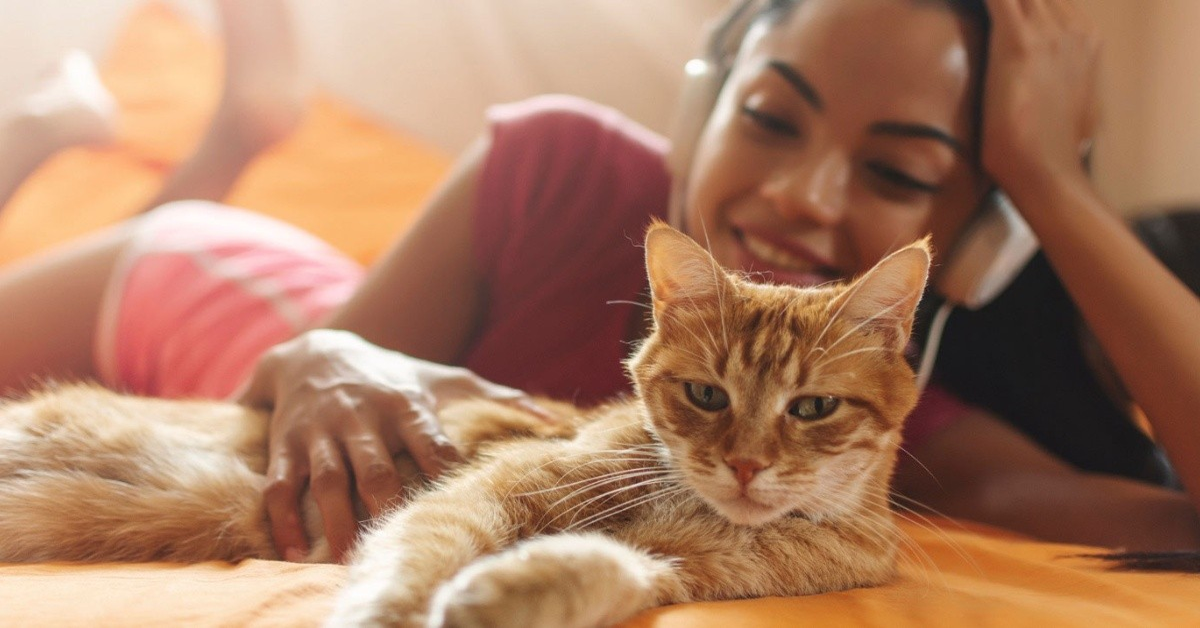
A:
375,476
282,500
329,482
429,447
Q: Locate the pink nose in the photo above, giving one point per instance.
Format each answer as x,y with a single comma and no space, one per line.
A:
745,469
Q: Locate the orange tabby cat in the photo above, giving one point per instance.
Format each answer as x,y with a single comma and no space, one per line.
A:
754,460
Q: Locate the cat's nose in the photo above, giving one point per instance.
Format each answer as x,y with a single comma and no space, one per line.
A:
745,468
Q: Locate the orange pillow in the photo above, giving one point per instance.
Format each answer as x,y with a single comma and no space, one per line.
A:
340,175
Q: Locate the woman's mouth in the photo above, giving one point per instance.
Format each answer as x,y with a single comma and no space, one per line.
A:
780,264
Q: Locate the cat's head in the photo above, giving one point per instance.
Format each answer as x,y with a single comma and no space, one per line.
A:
778,399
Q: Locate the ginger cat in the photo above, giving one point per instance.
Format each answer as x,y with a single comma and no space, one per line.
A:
753,460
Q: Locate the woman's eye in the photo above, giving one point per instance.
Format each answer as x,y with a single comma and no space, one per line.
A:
814,408
770,123
706,397
898,178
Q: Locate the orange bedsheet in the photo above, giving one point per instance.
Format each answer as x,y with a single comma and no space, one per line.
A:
356,184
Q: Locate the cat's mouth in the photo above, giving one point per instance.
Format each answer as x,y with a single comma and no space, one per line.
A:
781,262
742,509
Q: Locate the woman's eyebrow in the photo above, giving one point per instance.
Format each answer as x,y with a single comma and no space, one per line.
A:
911,129
797,81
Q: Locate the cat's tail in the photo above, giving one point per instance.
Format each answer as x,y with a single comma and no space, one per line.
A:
88,478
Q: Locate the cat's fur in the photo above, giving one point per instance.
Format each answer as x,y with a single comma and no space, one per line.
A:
646,501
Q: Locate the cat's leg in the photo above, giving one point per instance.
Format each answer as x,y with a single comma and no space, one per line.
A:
399,565
562,580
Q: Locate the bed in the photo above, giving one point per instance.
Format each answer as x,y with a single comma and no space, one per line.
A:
357,183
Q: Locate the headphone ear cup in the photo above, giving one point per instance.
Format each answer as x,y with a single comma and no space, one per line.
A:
701,86
991,251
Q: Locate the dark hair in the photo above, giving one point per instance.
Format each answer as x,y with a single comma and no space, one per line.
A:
775,10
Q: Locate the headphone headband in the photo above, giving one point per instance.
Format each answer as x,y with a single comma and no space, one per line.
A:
726,37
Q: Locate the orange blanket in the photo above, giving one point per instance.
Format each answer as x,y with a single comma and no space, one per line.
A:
356,184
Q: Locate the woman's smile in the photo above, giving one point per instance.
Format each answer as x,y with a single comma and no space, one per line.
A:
780,260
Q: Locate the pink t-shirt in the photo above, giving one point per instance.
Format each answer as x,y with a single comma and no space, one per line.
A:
563,202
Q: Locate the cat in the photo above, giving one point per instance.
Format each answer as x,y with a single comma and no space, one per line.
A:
753,459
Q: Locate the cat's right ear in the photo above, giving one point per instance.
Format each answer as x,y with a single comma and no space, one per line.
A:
679,269
885,298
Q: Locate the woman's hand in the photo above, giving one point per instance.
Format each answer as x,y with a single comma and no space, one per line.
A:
1040,108
336,399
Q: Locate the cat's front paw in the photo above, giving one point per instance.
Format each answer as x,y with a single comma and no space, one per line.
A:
501,592
562,583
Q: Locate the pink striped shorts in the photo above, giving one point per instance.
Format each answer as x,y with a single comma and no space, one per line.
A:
203,291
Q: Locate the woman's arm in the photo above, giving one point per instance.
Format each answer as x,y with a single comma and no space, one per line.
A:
983,469
341,406
1038,108
424,296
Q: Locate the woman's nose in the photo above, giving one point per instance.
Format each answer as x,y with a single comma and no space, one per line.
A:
814,190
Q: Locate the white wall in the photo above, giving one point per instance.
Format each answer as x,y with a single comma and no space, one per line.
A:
419,64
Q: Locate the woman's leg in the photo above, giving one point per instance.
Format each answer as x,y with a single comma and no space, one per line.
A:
262,99
49,307
49,304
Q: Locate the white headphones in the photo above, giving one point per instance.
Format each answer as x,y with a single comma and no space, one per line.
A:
989,253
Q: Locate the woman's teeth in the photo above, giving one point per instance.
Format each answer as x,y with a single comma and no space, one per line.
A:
774,255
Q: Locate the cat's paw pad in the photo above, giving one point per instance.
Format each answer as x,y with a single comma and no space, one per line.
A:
499,591
560,582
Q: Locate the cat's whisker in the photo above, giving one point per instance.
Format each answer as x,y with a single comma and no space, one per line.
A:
827,359
719,280
917,555
918,504
646,306
833,318
620,508
885,533
593,483
559,487
916,548
533,471
922,465
924,522
863,323
656,473
883,492
659,474
668,482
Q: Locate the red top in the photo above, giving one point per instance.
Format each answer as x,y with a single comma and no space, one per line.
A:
564,199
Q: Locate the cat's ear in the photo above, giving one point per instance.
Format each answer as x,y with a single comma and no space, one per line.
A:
681,270
885,298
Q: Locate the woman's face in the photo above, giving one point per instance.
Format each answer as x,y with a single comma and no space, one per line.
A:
843,132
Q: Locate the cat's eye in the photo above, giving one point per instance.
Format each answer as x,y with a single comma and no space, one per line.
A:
706,397
814,408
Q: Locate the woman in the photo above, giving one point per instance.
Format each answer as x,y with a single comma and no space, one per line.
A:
836,137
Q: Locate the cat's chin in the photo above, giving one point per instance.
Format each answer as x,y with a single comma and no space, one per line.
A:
744,511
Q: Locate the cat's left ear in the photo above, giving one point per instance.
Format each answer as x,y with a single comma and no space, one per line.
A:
885,298
680,270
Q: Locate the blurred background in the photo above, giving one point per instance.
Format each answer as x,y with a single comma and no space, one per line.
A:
430,67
